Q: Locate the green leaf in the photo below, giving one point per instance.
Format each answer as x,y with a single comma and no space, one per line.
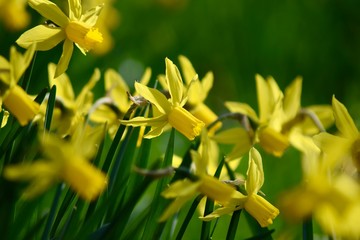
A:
50,108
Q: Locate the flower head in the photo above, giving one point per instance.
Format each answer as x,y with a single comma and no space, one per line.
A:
170,112
14,98
65,161
76,28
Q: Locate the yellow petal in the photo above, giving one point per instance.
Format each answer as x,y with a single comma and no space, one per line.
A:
19,63
243,108
90,17
343,120
264,97
231,136
142,121
205,114
220,212
292,98
64,88
145,79
154,96
181,188
207,82
65,58
255,173
156,130
174,82
187,69
49,10
43,36
116,86
75,9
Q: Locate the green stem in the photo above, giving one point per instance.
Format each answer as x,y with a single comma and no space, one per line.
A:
51,217
307,229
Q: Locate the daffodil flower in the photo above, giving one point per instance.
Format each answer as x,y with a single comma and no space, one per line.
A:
327,194
14,98
280,121
69,110
185,189
345,145
77,27
170,112
197,91
256,205
63,161
116,103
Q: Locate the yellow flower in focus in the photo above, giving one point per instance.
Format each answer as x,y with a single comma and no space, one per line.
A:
170,112
14,98
76,28
14,15
197,92
116,103
257,206
64,161
69,110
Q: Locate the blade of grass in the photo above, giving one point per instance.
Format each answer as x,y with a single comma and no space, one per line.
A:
158,203
188,217
307,229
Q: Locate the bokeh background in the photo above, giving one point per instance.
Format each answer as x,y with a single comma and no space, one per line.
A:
316,39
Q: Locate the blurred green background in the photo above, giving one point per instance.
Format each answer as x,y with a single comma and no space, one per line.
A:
317,39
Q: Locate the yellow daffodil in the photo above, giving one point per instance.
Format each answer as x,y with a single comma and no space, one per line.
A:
197,92
281,120
63,161
77,27
345,146
14,98
69,110
116,103
330,196
185,189
257,206
170,112
14,15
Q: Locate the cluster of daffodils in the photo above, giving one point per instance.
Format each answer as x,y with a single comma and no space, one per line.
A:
72,129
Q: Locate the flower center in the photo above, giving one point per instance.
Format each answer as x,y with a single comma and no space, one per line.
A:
273,141
86,37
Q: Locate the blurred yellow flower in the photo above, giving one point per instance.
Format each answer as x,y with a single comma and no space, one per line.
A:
116,103
14,98
63,160
281,119
76,28
345,146
330,196
257,206
69,110
14,15
170,112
